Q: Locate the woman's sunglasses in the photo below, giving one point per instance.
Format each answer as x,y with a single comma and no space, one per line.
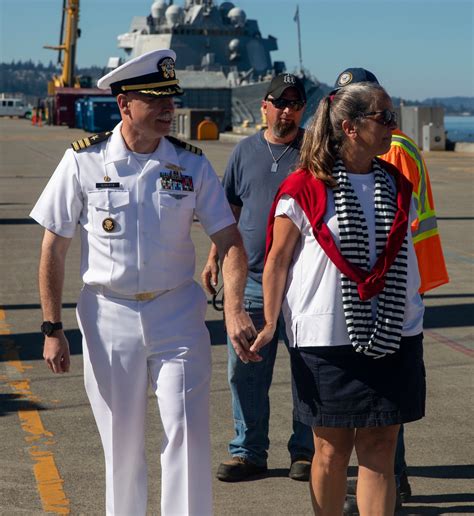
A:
284,103
384,117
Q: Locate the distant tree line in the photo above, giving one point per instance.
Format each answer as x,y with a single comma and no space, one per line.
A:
453,105
28,65
31,79
27,78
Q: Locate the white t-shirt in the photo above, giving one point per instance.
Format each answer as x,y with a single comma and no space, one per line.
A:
142,159
312,305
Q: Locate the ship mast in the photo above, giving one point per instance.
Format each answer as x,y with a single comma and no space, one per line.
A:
296,18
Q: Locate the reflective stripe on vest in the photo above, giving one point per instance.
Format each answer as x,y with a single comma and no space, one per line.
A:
427,224
426,228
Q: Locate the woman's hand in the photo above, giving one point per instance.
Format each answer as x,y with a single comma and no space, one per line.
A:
263,338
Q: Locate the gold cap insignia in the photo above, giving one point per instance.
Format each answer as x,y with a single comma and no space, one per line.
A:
167,67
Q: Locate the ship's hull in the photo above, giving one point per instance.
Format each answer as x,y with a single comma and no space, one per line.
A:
247,101
242,104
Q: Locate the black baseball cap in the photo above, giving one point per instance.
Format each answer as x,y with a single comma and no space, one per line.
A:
352,76
283,81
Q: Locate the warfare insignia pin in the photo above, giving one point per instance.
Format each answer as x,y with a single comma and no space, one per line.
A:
176,168
167,67
108,224
344,79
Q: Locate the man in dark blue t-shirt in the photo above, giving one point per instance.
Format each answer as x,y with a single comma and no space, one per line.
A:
255,170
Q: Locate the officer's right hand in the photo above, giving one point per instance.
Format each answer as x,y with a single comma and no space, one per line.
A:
56,352
210,276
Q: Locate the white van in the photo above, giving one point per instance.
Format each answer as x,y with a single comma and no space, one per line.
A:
13,106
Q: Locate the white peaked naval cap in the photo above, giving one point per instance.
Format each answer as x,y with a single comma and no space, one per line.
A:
152,73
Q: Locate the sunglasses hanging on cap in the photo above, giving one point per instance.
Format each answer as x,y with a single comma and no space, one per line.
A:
284,103
384,117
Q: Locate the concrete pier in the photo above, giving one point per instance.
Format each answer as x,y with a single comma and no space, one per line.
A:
51,459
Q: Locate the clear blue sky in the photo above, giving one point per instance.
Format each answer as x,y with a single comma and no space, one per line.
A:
417,48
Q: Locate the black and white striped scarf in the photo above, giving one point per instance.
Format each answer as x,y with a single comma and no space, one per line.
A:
382,336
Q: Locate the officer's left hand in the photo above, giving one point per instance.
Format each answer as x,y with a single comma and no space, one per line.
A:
242,333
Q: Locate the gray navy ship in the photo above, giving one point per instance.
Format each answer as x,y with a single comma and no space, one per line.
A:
223,61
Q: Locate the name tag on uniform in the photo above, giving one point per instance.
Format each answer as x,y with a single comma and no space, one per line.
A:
107,185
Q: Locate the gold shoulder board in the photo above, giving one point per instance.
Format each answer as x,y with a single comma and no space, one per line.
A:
83,143
185,145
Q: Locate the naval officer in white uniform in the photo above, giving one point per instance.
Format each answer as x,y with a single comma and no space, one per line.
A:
134,193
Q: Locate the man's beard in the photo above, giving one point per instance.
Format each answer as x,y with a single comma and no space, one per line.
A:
281,128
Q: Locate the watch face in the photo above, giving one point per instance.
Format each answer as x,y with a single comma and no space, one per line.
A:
47,328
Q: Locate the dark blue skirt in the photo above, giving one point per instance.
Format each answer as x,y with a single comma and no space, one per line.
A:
338,387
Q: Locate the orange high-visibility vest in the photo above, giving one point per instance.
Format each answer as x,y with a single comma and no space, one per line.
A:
406,156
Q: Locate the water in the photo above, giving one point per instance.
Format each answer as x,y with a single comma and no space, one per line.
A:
459,128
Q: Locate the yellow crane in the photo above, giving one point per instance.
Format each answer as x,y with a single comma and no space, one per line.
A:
67,47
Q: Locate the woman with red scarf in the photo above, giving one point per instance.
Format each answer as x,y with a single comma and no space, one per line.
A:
341,265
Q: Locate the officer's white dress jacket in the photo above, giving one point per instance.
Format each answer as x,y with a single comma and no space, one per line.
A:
149,248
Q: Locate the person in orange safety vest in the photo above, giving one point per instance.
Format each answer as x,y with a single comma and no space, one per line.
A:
406,156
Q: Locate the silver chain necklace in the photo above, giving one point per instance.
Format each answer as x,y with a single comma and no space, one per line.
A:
276,160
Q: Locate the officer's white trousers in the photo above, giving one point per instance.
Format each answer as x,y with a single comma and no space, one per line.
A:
127,345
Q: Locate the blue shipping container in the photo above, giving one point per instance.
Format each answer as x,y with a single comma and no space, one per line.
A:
100,114
79,113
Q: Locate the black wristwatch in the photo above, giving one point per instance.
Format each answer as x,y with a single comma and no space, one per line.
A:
48,328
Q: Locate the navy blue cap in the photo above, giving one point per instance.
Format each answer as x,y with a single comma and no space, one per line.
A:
352,76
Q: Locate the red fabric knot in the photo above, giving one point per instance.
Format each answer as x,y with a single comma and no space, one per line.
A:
370,288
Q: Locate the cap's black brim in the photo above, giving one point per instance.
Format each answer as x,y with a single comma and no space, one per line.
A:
278,92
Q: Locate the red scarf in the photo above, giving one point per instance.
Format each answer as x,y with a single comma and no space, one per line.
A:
311,195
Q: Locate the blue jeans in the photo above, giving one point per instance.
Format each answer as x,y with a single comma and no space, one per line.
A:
250,385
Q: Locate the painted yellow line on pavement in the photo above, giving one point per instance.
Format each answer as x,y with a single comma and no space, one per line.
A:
48,479
50,484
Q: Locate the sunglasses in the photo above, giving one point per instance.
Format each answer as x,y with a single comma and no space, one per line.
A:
384,117
296,105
